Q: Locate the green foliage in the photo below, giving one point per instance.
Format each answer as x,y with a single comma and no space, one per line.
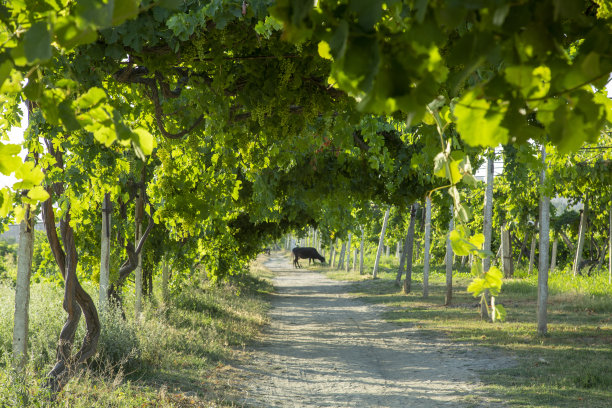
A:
190,335
479,58
240,136
271,109
119,346
490,280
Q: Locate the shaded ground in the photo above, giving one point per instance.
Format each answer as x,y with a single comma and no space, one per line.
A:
327,349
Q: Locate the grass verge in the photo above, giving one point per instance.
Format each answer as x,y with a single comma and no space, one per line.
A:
179,354
570,367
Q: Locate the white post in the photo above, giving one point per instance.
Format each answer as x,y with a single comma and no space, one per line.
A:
543,261
581,235
348,252
138,272
553,256
488,213
105,252
427,245
22,289
361,249
165,278
449,262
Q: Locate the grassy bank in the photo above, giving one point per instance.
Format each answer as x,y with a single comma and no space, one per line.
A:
176,356
570,367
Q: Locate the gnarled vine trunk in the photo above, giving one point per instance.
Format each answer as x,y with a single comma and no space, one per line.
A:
76,302
133,250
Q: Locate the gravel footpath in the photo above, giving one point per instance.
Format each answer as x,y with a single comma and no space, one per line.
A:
325,348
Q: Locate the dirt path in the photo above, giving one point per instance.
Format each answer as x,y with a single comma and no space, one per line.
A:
326,349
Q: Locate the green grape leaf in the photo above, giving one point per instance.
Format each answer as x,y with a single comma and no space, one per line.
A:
476,287
33,90
469,180
103,134
9,161
531,82
440,162
455,175
38,193
454,193
356,69
124,10
144,140
477,240
478,122
6,202
66,115
323,49
500,313
91,98
463,212
602,99
29,175
5,70
368,12
236,190
493,278
460,246
70,32
20,211
13,84
37,43
604,9
337,43
171,4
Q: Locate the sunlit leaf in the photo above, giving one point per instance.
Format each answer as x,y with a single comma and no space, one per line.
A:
20,213
477,240
476,287
92,97
324,49
144,140
38,193
29,176
479,121
9,161
6,202
500,313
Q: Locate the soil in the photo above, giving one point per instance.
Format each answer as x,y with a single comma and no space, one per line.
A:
325,348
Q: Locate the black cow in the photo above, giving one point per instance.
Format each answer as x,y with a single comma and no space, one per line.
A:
303,253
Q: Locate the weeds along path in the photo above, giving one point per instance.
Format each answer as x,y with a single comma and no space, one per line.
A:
326,349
